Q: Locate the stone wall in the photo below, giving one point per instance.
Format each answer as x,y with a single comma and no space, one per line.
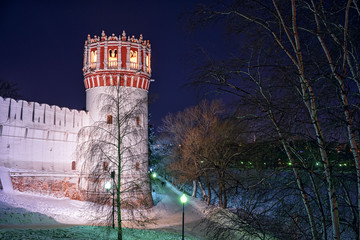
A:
39,137
56,186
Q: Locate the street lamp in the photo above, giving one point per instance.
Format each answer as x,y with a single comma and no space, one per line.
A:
183,200
108,186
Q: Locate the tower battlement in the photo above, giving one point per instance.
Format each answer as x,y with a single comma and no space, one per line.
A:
115,38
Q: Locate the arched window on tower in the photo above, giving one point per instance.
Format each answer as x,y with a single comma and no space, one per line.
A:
113,61
133,59
109,119
73,165
137,121
93,58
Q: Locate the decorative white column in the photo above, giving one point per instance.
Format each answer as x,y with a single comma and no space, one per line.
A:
89,57
106,55
128,56
86,58
119,54
98,56
118,80
144,59
139,56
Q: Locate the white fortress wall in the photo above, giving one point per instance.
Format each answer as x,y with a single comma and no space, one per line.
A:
37,136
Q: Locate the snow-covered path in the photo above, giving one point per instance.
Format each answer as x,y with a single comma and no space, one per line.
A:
167,214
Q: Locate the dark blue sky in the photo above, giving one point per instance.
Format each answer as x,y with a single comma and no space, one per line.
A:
41,47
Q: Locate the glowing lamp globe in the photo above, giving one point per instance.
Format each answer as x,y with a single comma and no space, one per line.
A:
183,199
154,175
108,185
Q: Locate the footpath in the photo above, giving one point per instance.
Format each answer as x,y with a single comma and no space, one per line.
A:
167,213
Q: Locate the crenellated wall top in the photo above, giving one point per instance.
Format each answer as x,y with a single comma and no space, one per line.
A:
24,113
7,100
113,37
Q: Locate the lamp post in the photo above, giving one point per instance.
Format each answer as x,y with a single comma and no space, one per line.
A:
108,185
183,200
113,198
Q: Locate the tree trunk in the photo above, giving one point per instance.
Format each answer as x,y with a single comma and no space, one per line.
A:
118,200
119,159
222,192
208,188
304,195
318,198
217,195
194,189
202,190
352,206
299,182
340,78
309,100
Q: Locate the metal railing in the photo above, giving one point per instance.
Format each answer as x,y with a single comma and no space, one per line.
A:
134,65
112,64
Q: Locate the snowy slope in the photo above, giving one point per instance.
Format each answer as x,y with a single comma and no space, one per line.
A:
30,216
57,210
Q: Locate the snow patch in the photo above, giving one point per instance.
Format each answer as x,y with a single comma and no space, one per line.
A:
5,180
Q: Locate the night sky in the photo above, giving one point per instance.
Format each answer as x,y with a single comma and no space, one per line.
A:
41,48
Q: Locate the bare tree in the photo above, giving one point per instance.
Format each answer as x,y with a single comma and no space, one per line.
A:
118,144
206,148
320,44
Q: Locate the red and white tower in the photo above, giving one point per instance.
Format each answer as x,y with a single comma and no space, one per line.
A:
113,60
122,63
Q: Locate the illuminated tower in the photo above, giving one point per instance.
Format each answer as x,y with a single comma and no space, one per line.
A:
121,62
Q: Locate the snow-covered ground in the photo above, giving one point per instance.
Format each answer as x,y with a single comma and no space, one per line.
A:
31,216
25,208
86,233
